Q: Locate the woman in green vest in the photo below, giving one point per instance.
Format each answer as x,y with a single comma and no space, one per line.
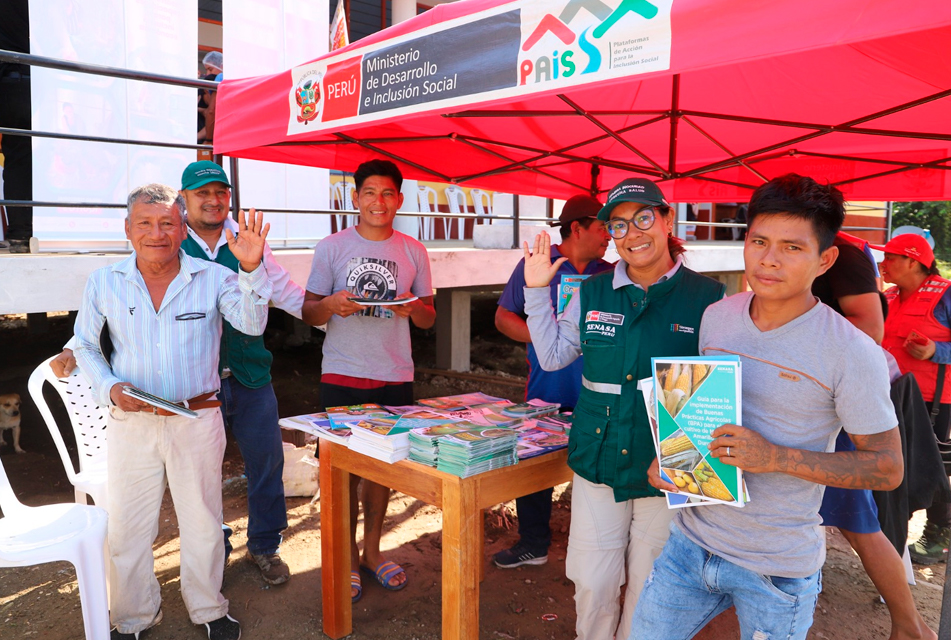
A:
650,305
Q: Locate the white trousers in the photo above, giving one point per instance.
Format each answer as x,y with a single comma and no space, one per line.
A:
145,451
610,544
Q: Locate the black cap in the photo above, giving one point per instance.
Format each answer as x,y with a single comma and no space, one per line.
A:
577,208
639,190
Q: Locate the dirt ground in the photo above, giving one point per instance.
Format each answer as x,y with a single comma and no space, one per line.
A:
43,602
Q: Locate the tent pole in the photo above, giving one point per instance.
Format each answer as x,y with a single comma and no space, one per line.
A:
595,173
235,195
674,121
516,240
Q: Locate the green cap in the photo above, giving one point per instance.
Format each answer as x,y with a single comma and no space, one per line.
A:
198,174
638,190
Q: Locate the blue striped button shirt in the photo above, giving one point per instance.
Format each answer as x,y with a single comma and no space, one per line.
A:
172,353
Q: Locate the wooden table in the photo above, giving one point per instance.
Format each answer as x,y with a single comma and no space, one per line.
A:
462,501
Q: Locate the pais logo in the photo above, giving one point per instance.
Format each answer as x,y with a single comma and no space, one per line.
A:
308,96
544,64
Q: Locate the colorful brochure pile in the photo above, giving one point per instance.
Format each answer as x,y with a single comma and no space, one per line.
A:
424,441
461,401
380,438
477,450
531,409
318,424
536,440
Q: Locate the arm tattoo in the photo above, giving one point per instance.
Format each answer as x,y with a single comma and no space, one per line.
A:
876,465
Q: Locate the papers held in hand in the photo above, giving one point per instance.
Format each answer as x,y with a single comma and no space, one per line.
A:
159,403
375,302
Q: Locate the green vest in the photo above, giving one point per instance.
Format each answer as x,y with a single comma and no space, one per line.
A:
621,330
246,356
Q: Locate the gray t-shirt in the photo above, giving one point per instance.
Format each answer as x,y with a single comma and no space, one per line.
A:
375,342
801,383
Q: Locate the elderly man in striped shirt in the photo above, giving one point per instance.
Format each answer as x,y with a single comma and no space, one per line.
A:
163,310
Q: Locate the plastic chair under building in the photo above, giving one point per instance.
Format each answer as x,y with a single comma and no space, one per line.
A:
427,204
55,533
341,199
482,203
88,421
503,204
457,205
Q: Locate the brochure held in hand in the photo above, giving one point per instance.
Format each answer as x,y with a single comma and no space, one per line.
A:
688,398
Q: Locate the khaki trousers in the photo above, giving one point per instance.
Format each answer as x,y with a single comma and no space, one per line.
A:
145,451
610,544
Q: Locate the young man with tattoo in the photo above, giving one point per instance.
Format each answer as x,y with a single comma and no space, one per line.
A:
807,372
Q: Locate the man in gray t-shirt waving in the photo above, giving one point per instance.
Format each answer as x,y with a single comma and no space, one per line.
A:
807,372
367,354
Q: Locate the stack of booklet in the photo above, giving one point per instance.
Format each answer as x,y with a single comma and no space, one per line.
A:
380,438
477,450
531,409
424,442
318,424
536,440
373,431
461,401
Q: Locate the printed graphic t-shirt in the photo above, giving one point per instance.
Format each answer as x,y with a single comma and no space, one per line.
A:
374,343
797,392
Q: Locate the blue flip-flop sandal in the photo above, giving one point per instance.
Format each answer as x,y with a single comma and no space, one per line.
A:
355,582
386,572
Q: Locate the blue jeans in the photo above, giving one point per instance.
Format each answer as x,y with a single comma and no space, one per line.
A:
690,586
252,416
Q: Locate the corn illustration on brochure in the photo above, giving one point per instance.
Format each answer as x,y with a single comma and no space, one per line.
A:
687,399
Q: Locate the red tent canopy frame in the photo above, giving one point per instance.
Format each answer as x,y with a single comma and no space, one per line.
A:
552,97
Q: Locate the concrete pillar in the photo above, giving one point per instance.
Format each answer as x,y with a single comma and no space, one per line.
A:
735,281
453,329
403,10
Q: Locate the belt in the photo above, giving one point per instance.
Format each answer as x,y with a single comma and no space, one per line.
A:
204,401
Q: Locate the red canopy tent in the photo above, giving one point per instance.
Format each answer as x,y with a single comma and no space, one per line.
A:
549,97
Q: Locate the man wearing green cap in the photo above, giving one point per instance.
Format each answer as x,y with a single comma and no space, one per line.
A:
247,397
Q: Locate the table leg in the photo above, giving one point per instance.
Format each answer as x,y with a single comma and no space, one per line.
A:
481,531
334,545
461,556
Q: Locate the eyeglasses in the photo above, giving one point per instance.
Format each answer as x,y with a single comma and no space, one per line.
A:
643,220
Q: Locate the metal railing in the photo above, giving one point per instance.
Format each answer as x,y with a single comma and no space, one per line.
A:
116,72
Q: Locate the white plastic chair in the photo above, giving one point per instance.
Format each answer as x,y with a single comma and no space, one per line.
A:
53,533
88,421
482,203
428,203
457,205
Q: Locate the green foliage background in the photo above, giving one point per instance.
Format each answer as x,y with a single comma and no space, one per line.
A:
934,216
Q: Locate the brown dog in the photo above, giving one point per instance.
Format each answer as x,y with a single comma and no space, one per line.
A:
10,418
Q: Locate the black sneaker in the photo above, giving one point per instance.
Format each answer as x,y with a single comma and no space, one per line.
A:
116,635
224,628
519,555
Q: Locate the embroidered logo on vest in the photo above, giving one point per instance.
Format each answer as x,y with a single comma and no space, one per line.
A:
604,316
679,328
